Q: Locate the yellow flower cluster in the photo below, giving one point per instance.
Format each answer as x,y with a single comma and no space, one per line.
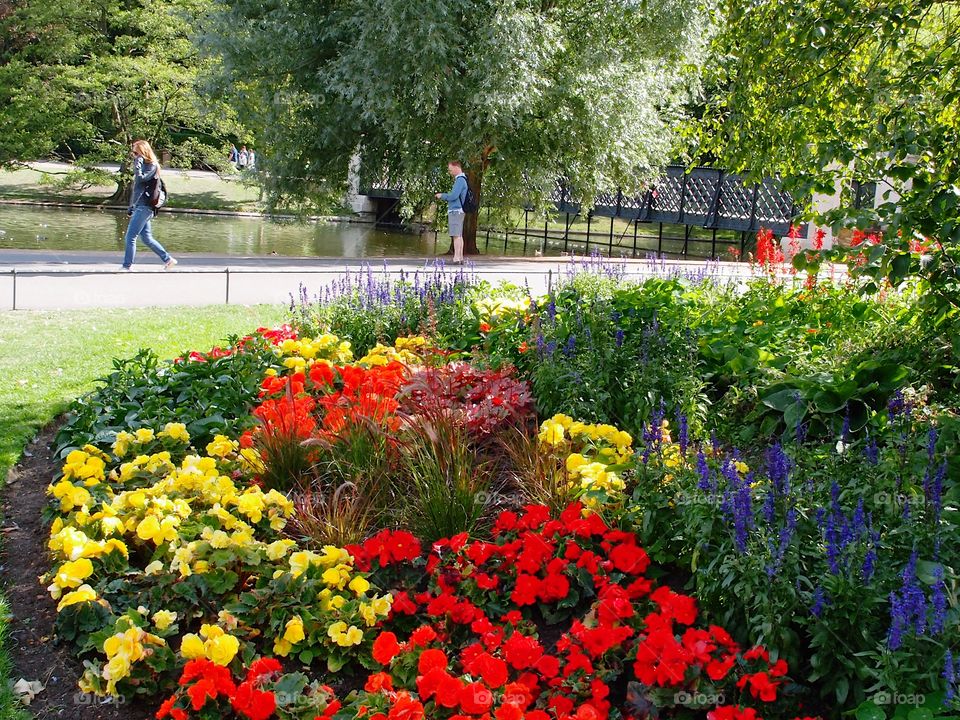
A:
190,516
212,643
495,308
598,448
335,568
126,440
300,354
123,649
613,446
407,350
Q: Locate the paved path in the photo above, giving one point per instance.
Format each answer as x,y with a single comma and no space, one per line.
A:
31,279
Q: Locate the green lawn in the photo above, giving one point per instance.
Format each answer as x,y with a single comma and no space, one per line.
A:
49,358
207,191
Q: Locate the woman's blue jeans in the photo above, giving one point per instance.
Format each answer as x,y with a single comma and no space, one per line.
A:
140,225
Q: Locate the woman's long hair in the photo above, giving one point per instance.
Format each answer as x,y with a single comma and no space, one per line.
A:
143,147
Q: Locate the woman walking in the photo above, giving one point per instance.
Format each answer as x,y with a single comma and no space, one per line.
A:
145,168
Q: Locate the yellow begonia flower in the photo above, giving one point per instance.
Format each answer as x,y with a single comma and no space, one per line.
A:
84,593
741,467
122,443
221,446
143,435
359,585
575,461
70,496
163,619
222,649
191,647
345,636
251,504
154,568
175,431
159,531
293,633
279,548
73,573
551,433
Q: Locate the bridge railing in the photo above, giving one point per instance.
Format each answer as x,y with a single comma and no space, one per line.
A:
708,197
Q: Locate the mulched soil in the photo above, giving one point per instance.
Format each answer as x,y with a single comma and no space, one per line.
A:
33,648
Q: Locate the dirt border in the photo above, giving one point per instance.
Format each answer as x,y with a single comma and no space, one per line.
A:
34,651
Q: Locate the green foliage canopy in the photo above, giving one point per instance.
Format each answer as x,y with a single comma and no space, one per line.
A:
522,90
85,77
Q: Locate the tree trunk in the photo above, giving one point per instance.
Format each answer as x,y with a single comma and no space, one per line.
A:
121,196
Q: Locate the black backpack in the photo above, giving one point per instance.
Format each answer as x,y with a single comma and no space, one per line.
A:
470,203
156,193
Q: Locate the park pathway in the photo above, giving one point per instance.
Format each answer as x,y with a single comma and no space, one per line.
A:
38,280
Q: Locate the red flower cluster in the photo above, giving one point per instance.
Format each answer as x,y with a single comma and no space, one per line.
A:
328,399
205,682
387,547
477,656
769,251
273,336
860,237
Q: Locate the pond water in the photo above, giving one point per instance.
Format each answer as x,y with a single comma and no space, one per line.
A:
64,229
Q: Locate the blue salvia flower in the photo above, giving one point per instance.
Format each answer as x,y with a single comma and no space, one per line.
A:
898,622
938,602
552,310
845,430
743,513
683,437
820,517
541,345
820,601
832,539
551,348
872,451
778,468
714,442
869,563
801,432
570,346
619,337
703,471
895,406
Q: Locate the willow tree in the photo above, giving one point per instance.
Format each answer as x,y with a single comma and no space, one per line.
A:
522,91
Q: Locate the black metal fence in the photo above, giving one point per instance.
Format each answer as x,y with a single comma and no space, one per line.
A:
701,198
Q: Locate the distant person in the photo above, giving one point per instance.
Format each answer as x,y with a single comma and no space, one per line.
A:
234,155
251,160
146,167
242,158
455,213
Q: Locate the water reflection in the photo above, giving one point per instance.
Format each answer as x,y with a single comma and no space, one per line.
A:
60,229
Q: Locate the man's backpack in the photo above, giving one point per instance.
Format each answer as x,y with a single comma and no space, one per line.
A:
156,193
470,203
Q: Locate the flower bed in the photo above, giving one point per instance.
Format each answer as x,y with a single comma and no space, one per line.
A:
400,537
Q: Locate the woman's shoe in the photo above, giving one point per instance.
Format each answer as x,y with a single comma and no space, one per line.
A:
170,264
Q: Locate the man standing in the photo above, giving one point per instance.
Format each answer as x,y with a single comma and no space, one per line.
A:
455,214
